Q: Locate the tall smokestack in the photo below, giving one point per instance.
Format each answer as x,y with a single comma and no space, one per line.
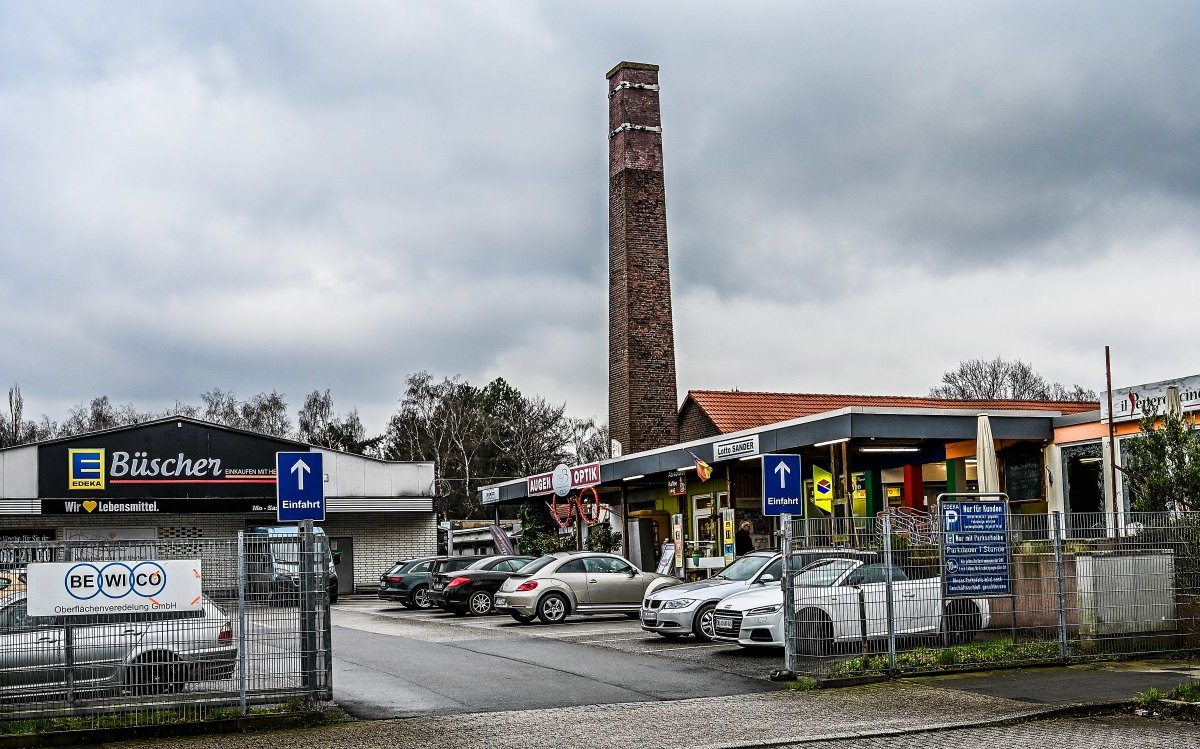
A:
642,400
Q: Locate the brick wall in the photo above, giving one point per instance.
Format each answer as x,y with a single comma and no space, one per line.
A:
641,384
694,424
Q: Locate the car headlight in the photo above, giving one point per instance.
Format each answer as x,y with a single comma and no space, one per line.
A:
764,610
678,603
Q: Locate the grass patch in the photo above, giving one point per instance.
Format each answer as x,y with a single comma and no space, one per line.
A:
1188,692
803,684
107,721
993,653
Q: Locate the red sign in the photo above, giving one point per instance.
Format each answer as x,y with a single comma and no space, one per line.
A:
588,475
539,484
581,476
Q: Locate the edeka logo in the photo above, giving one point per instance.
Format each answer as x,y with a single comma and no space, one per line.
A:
85,469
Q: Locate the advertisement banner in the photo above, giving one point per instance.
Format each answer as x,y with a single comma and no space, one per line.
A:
113,587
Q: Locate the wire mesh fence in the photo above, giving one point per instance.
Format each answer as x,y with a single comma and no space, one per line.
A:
900,594
258,632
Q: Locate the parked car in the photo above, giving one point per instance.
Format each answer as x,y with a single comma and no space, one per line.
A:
688,608
472,589
148,653
407,582
577,582
446,565
843,600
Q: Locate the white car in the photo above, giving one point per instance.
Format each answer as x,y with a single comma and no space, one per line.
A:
688,608
845,600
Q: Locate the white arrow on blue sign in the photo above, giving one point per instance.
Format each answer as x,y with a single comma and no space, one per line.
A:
299,487
783,486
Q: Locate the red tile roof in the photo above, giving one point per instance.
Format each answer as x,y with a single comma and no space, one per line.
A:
733,410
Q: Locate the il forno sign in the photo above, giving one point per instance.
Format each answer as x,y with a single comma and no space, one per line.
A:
563,479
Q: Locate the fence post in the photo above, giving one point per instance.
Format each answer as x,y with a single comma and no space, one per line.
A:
69,640
790,660
1060,572
243,686
308,610
891,608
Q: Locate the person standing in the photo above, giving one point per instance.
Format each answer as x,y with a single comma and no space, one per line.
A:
743,542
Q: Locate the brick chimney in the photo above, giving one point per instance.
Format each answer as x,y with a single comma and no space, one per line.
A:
642,400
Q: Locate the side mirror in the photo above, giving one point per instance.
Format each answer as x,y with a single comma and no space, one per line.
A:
766,579
854,580
631,572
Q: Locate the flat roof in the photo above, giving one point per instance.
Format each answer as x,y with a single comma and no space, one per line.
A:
926,428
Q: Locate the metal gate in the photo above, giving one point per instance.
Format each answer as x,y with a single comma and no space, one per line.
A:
887,595
261,633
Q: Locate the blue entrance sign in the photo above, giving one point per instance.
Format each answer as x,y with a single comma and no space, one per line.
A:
783,487
975,556
299,487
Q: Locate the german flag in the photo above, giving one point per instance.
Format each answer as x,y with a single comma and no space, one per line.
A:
703,470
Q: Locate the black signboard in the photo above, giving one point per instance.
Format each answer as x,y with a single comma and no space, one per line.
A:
1023,476
172,466
20,547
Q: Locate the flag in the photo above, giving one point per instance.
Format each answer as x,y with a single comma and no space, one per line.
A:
703,470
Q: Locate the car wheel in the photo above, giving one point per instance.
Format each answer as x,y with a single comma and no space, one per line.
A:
552,609
702,624
420,598
480,603
523,618
815,632
154,675
961,622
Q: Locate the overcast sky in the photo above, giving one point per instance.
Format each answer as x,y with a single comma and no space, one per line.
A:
299,196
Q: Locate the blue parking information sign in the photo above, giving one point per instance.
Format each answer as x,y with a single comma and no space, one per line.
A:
975,556
299,487
783,486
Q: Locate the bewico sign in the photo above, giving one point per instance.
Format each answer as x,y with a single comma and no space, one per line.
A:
563,479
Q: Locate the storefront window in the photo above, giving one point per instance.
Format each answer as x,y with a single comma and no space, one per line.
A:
1083,487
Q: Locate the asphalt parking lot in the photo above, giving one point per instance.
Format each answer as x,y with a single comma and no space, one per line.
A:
613,632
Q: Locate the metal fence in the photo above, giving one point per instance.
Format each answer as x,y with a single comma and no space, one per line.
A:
261,636
901,594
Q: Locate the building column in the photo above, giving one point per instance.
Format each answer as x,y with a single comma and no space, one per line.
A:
874,482
956,475
914,488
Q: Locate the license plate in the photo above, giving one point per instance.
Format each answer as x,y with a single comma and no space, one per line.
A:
500,601
722,622
437,587
650,619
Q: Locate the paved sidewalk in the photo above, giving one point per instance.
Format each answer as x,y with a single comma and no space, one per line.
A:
775,718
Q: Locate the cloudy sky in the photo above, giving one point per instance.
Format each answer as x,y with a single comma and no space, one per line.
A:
310,195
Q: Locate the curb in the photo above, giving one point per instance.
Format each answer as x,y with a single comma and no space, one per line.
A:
245,724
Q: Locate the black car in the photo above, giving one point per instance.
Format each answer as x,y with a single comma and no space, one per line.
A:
471,589
442,566
408,583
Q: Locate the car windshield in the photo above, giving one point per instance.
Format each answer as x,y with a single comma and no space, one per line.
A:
457,563
537,564
743,568
824,573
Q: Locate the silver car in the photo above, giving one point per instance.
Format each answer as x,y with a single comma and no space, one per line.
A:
149,653
688,608
577,582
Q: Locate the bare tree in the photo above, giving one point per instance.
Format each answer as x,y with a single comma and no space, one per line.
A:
1000,379
319,425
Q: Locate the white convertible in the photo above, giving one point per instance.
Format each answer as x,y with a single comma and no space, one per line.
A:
845,600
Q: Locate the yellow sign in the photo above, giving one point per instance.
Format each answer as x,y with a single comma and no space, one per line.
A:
823,489
893,496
